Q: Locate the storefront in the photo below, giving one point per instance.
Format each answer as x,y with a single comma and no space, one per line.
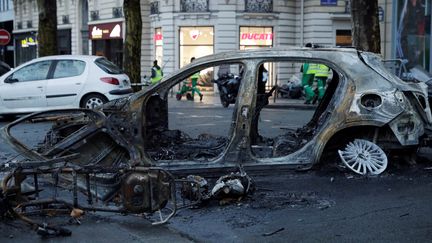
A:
197,42
252,37
107,41
255,37
413,32
25,47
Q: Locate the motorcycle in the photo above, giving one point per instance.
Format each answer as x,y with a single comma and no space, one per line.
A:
228,86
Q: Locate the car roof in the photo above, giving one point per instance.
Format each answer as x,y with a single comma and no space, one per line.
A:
60,57
331,54
274,52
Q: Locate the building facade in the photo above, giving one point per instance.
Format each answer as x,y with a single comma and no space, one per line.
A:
6,25
195,28
173,31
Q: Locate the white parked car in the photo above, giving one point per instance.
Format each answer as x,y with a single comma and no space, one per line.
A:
58,82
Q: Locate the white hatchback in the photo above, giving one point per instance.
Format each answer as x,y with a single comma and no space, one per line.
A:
58,82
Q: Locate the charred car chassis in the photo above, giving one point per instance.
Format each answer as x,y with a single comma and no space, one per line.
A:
365,108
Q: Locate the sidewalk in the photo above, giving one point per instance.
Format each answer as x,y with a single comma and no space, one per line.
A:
213,100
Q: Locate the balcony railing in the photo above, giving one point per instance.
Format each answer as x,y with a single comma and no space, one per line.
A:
154,8
348,7
65,19
117,12
94,15
259,6
194,6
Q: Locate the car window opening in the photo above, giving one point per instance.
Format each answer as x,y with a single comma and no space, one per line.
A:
170,135
277,133
108,66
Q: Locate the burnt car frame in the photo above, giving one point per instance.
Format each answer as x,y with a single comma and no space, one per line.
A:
126,154
363,101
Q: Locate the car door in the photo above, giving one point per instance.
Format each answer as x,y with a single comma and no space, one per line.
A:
24,89
66,83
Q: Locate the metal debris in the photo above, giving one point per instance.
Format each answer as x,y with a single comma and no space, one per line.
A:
227,188
234,186
195,188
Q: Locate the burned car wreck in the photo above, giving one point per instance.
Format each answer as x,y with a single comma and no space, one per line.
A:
128,151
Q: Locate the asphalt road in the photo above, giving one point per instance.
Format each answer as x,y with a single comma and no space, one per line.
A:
321,205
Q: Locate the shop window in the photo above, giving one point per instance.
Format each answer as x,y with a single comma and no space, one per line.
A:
196,42
413,36
251,38
26,47
158,40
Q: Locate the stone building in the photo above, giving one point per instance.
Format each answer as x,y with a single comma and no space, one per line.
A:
176,30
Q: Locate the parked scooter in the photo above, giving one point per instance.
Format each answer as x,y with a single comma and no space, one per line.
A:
228,86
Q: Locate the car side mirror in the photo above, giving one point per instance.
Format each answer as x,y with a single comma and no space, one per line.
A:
11,80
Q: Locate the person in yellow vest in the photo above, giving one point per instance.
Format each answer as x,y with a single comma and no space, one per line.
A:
157,73
321,75
190,85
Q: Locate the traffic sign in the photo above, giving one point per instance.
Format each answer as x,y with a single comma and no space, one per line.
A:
5,37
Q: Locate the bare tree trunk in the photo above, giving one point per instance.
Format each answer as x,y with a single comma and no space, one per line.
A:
132,47
47,31
365,25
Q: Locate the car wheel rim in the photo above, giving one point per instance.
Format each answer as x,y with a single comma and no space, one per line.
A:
94,102
364,157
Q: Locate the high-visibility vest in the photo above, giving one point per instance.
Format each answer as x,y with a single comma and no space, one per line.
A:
312,69
322,71
158,76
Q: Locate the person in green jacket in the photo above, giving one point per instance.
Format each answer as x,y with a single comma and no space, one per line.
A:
309,70
321,75
190,85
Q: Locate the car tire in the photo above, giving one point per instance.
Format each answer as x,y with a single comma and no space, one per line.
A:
92,101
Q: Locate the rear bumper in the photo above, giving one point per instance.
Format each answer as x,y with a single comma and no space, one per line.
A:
121,91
